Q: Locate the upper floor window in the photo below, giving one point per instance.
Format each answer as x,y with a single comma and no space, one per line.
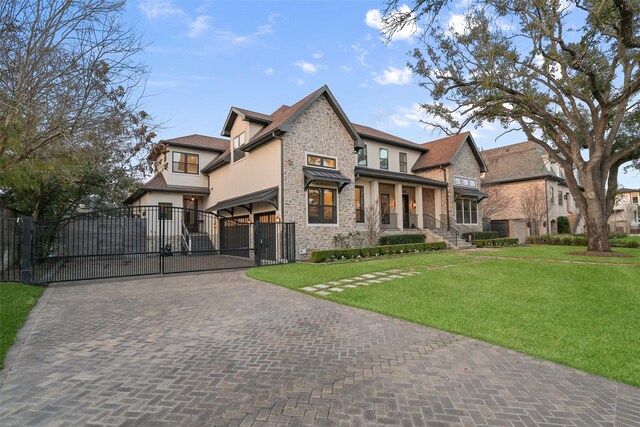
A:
185,163
238,142
552,197
322,206
560,198
384,158
320,161
362,156
403,162
634,200
465,182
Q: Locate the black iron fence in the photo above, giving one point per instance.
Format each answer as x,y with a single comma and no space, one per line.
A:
10,249
143,240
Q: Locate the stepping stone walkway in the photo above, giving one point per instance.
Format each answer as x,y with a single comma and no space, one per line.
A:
338,286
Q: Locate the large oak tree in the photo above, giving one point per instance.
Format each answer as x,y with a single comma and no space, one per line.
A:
565,72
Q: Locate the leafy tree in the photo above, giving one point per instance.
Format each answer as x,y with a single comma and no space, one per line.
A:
565,72
70,123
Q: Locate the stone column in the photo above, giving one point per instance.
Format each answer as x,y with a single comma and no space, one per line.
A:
399,212
419,208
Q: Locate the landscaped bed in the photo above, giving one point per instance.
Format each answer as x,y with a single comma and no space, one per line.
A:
16,301
576,313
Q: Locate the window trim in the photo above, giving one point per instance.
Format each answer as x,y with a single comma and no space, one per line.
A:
186,171
460,179
386,159
361,210
322,159
163,207
239,148
321,206
464,201
403,163
560,195
552,195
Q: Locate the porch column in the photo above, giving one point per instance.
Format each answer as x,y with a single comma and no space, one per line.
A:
399,212
419,208
374,197
437,194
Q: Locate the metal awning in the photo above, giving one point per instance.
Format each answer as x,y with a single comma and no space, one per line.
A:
365,172
325,175
269,195
470,192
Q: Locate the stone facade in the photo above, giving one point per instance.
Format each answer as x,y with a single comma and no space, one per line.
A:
318,130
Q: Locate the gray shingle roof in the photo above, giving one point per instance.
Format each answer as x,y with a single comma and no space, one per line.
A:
516,162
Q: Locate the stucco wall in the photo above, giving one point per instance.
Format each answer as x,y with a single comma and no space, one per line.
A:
195,180
317,130
373,156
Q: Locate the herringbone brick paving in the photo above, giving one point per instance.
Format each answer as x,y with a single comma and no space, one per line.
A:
221,349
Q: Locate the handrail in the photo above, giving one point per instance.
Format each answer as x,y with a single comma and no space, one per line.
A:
186,241
440,225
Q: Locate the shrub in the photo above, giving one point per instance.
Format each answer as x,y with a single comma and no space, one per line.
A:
617,235
563,225
480,235
400,239
373,251
495,242
558,239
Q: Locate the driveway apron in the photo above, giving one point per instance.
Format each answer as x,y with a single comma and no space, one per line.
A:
222,349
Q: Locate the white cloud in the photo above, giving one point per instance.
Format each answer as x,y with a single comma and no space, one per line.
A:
233,38
199,26
298,81
394,76
346,68
272,17
375,19
361,54
268,71
399,120
553,67
307,67
153,9
317,55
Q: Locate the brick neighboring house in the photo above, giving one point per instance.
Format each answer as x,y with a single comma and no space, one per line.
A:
626,213
308,163
513,171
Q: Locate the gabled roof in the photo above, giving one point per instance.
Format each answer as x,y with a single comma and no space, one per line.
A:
441,152
214,164
158,183
200,142
252,116
517,162
284,116
367,132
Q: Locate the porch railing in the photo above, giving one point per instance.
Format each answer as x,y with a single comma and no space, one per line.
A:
432,223
186,238
388,220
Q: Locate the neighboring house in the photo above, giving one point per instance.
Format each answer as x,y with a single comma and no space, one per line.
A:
525,171
626,214
308,163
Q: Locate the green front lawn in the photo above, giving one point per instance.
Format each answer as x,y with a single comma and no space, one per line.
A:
581,315
16,301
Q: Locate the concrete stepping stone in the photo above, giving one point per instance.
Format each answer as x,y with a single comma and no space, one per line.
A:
336,289
346,280
395,270
358,278
363,284
323,293
394,276
334,283
321,286
350,286
309,289
380,273
385,279
369,276
374,281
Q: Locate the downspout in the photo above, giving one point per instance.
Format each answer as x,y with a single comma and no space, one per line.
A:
281,177
447,195
546,203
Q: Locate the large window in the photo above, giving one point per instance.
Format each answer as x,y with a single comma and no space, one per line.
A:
403,162
362,156
466,211
552,196
322,206
384,158
559,198
634,200
185,163
321,161
238,142
359,203
165,211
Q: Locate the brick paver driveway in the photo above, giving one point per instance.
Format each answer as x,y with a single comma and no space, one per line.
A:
221,349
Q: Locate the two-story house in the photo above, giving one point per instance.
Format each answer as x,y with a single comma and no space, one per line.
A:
626,212
524,170
308,163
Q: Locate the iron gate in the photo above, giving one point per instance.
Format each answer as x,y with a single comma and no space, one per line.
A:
143,240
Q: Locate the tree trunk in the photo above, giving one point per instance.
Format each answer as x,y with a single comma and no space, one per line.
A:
597,227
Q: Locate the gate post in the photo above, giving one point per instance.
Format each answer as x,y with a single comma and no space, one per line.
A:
26,223
257,244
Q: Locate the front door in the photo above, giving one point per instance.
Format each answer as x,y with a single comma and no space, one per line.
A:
191,213
406,219
266,232
384,208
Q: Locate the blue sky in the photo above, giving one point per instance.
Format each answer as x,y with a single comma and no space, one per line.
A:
206,56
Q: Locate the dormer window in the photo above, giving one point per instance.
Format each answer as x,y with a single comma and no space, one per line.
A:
185,163
362,156
238,142
462,181
321,161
